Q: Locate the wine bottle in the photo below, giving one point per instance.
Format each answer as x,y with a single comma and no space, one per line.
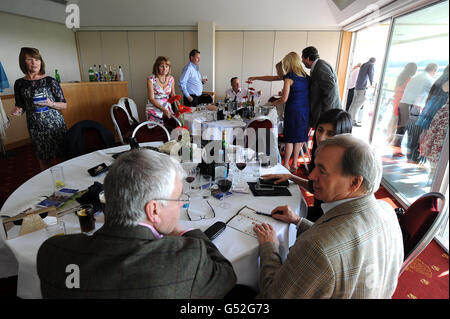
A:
107,77
57,77
110,73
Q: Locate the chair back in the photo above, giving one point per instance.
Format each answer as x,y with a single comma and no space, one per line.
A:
149,131
419,225
171,123
205,98
255,124
120,118
131,108
85,137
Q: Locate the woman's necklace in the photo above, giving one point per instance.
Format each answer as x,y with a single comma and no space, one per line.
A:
163,83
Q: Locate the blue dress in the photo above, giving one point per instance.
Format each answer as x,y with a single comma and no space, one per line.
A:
296,112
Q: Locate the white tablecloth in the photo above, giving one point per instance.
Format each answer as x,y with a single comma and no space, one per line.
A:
239,248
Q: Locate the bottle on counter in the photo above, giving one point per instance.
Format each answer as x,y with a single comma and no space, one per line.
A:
115,77
100,73
121,77
92,77
57,77
111,78
106,74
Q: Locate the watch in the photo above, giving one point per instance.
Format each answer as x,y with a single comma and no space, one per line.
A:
53,104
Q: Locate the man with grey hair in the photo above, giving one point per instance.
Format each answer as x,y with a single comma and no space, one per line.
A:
355,250
141,251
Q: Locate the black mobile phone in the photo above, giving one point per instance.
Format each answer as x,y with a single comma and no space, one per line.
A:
215,230
272,182
262,187
98,169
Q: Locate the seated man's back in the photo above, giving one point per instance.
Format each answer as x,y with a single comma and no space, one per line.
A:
127,262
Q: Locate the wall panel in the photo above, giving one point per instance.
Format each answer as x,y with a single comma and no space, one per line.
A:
229,48
142,51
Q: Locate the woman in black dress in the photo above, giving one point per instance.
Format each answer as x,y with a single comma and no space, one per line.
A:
41,97
332,122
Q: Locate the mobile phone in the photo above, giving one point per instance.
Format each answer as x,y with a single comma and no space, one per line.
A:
215,230
272,182
262,187
98,169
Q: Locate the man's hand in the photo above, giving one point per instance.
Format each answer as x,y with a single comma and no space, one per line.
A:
266,234
285,214
279,177
190,98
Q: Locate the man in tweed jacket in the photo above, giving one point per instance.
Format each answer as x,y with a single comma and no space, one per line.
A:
354,250
141,251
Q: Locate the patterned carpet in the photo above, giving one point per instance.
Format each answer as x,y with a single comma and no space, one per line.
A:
426,278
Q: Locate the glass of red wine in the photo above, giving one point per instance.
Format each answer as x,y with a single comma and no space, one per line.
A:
191,174
224,186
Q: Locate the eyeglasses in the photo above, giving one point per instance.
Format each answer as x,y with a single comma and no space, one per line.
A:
196,218
184,198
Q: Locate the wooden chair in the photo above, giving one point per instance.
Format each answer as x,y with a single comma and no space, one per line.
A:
149,131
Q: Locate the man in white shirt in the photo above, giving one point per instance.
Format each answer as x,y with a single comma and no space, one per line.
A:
355,250
351,84
191,82
413,102
235,93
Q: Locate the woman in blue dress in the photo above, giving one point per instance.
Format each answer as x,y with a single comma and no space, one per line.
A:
42,99
295,94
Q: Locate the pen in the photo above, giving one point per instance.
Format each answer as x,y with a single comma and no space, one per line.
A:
265,214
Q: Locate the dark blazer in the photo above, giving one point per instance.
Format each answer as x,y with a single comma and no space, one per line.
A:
128,262
324,91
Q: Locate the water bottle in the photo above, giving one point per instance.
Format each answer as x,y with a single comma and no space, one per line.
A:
92,76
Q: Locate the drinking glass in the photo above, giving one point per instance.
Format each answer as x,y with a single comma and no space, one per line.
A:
56,229
205,186
57,173
86,218
224,186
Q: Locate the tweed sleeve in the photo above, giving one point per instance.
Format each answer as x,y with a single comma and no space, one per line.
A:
215,275
306,273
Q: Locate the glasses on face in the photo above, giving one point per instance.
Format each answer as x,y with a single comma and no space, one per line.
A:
184,198
200,217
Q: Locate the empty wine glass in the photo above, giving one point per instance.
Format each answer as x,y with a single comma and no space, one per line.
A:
224,186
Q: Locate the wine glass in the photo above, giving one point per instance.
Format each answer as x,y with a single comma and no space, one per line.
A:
224,186
191,174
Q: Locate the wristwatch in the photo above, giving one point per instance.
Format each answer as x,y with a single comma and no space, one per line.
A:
53,105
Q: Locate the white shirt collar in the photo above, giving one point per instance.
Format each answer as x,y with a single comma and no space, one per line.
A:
313,65
326,207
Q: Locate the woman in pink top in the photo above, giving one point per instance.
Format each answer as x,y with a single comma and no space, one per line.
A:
160,86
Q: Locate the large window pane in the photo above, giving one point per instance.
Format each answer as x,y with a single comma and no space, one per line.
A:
409,105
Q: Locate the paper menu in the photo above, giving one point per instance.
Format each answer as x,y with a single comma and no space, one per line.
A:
246,219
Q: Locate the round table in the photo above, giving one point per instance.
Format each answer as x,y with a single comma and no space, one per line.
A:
240,248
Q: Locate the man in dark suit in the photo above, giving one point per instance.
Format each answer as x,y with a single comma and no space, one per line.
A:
141,251
324,91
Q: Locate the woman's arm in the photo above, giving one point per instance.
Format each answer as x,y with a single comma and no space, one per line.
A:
285,92
54,105
265,78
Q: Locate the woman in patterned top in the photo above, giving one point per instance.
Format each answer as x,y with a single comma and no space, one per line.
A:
41,97
160,87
